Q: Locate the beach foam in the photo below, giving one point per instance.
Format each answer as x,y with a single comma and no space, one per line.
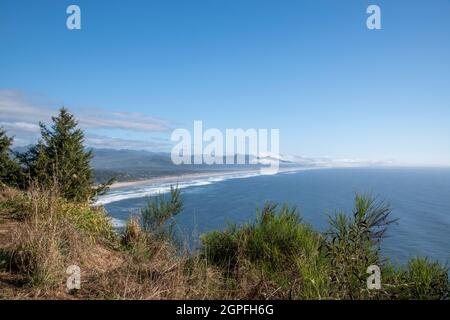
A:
156,188
118,223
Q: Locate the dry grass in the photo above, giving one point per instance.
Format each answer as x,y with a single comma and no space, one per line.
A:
50,234
152,269
159,277
47,241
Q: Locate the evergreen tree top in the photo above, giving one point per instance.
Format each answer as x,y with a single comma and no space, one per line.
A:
5,141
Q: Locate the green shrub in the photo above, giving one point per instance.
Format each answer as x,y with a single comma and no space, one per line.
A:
429,279
277,237
353,245
157,217
10,172
276,245
421,279
220,248
91,220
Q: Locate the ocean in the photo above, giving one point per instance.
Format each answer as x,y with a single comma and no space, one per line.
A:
420,199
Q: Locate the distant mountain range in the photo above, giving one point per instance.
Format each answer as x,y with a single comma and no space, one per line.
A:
135,165
127,165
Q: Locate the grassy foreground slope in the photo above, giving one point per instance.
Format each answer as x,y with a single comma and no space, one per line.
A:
276,257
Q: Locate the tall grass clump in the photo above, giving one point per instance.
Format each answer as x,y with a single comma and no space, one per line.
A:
38,203
53,234
265,257
426,280
420,279
136,240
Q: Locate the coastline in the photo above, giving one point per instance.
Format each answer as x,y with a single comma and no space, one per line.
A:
197,175
179,178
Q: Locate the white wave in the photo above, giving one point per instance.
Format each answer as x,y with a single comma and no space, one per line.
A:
153,189
118,223
160,188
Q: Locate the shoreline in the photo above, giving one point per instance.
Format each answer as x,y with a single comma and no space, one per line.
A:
197,175
178,178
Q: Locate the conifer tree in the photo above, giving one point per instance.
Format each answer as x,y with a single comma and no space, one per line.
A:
9,168
60,158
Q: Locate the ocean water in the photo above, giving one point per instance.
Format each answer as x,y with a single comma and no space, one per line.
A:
420,199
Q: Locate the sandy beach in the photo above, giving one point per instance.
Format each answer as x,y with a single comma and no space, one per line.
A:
179,178
199,175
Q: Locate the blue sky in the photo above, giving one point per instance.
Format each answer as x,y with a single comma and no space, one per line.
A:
138,69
